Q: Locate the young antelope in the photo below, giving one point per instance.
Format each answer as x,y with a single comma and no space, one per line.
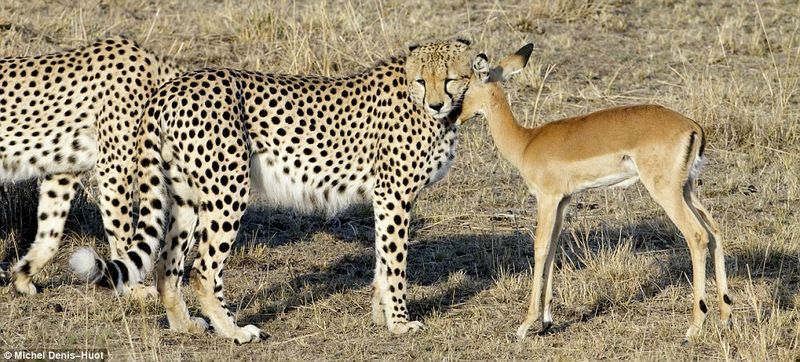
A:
610,148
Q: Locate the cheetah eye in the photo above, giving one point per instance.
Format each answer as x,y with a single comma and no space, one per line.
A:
421,82
448,80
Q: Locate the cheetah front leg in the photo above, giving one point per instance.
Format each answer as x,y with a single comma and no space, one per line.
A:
55,194
391,248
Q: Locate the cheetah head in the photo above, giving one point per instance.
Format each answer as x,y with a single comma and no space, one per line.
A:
438,74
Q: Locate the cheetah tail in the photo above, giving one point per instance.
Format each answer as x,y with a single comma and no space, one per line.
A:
133,266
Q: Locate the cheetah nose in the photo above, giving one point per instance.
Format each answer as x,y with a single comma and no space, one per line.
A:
436,106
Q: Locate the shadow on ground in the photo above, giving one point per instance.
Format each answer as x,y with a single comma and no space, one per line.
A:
483,257
480,257
18,221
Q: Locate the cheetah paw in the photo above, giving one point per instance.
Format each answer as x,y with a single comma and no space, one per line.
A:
378,317
23,285
194,325
692,332
198,325
726,324
405,327
249,333
142,292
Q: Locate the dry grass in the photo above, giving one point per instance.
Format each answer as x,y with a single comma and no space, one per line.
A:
622,285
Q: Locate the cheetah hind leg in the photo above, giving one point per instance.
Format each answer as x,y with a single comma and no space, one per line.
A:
169,269
207,284
206,276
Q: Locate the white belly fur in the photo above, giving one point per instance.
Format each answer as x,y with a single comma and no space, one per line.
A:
21,168
626,176
287,191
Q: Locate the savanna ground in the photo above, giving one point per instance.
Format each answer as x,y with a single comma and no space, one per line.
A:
622,276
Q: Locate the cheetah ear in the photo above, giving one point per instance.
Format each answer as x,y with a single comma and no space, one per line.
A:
464,40
412,47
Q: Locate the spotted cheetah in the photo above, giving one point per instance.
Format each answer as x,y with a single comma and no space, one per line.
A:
67,113
312,143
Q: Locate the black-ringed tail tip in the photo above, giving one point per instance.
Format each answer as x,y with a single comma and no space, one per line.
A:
83,265
90,268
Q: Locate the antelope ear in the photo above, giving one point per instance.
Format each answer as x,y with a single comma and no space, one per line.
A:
480,67
512,64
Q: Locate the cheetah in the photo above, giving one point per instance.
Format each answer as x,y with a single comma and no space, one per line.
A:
312,143
67,113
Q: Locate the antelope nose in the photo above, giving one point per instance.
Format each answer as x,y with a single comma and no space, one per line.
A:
436,106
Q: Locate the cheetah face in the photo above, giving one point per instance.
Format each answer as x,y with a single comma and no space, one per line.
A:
438,74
